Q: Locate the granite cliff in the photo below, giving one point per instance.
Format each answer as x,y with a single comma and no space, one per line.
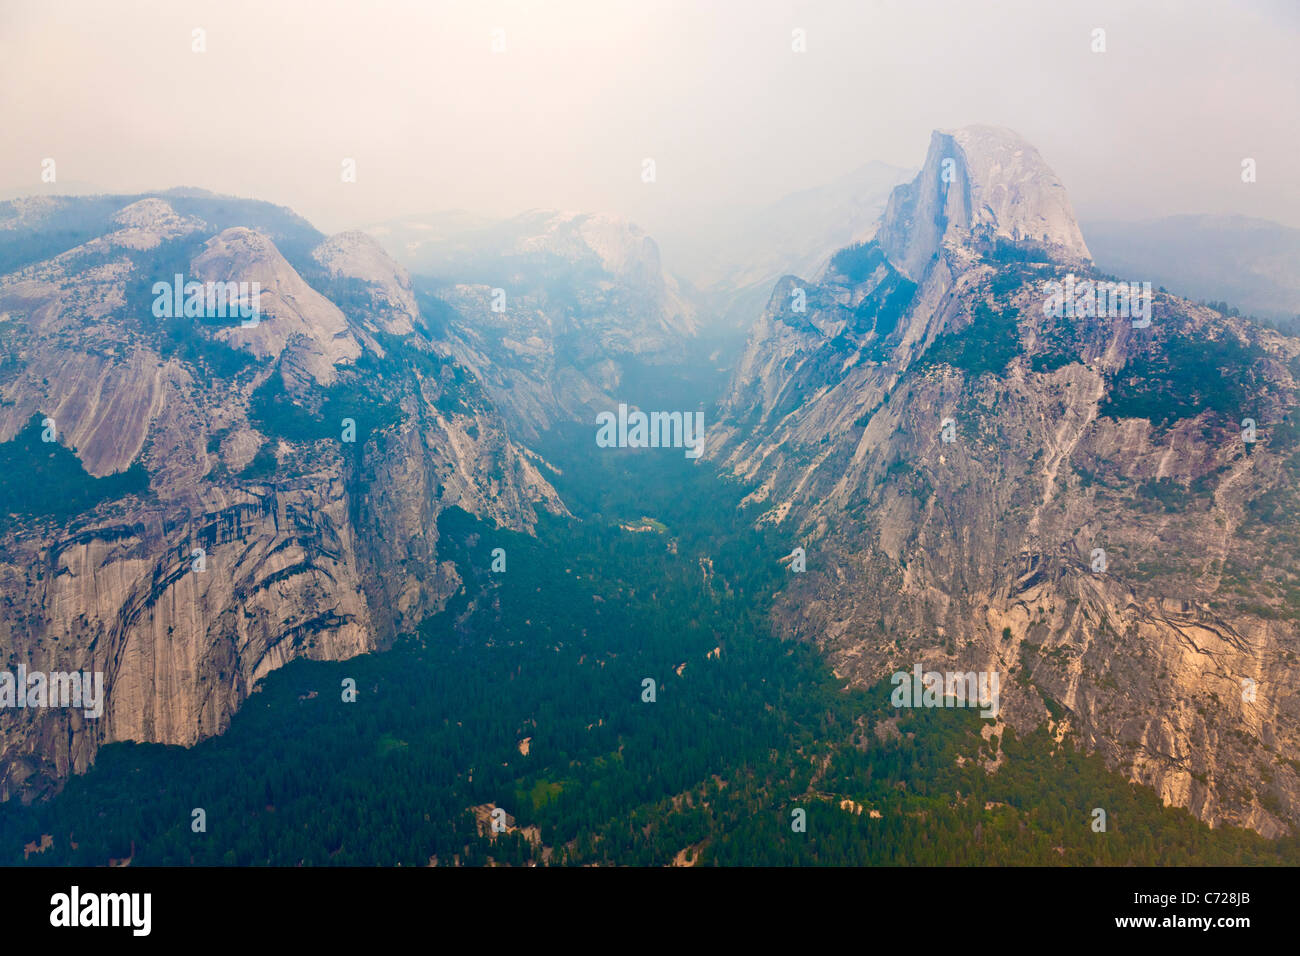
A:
1100,507
293,467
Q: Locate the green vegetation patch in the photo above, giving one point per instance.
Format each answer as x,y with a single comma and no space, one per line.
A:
1179,378
988,344
41,479
858,262
275,413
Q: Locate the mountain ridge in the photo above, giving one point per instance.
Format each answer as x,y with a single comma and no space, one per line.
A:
295,471
972,552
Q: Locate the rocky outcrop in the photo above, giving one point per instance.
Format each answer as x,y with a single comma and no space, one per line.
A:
292,316
359,257
551,309
1071,501
978,184
265,534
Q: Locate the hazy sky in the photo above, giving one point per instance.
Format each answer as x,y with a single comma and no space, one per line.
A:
1157,124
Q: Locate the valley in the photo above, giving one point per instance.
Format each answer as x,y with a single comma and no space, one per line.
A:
509,562
525,694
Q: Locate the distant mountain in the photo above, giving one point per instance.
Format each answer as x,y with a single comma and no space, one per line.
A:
741,246
733,255
979,186
1072,500
555,311
1251,264
419,242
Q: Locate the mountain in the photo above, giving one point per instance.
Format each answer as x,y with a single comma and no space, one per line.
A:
980,185
731,256
555,313
1097,507
221,494
418,241
735,253
1252,264
983,482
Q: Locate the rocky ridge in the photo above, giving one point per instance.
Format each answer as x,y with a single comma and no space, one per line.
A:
1068,434
263,534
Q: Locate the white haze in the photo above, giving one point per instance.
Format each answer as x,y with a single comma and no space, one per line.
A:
1158,124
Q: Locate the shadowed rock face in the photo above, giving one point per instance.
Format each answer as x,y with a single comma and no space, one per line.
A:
309,545
1070,434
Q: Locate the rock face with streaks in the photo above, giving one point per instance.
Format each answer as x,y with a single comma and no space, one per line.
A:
979,185
1075,501
295,469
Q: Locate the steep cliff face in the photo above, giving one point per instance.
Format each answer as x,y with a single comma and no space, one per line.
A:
296,470
979,185
954,455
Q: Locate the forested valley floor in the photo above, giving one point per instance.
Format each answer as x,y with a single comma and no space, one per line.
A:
527,694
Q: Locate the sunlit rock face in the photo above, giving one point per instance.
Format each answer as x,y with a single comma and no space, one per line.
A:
982,484
979,183
252,540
